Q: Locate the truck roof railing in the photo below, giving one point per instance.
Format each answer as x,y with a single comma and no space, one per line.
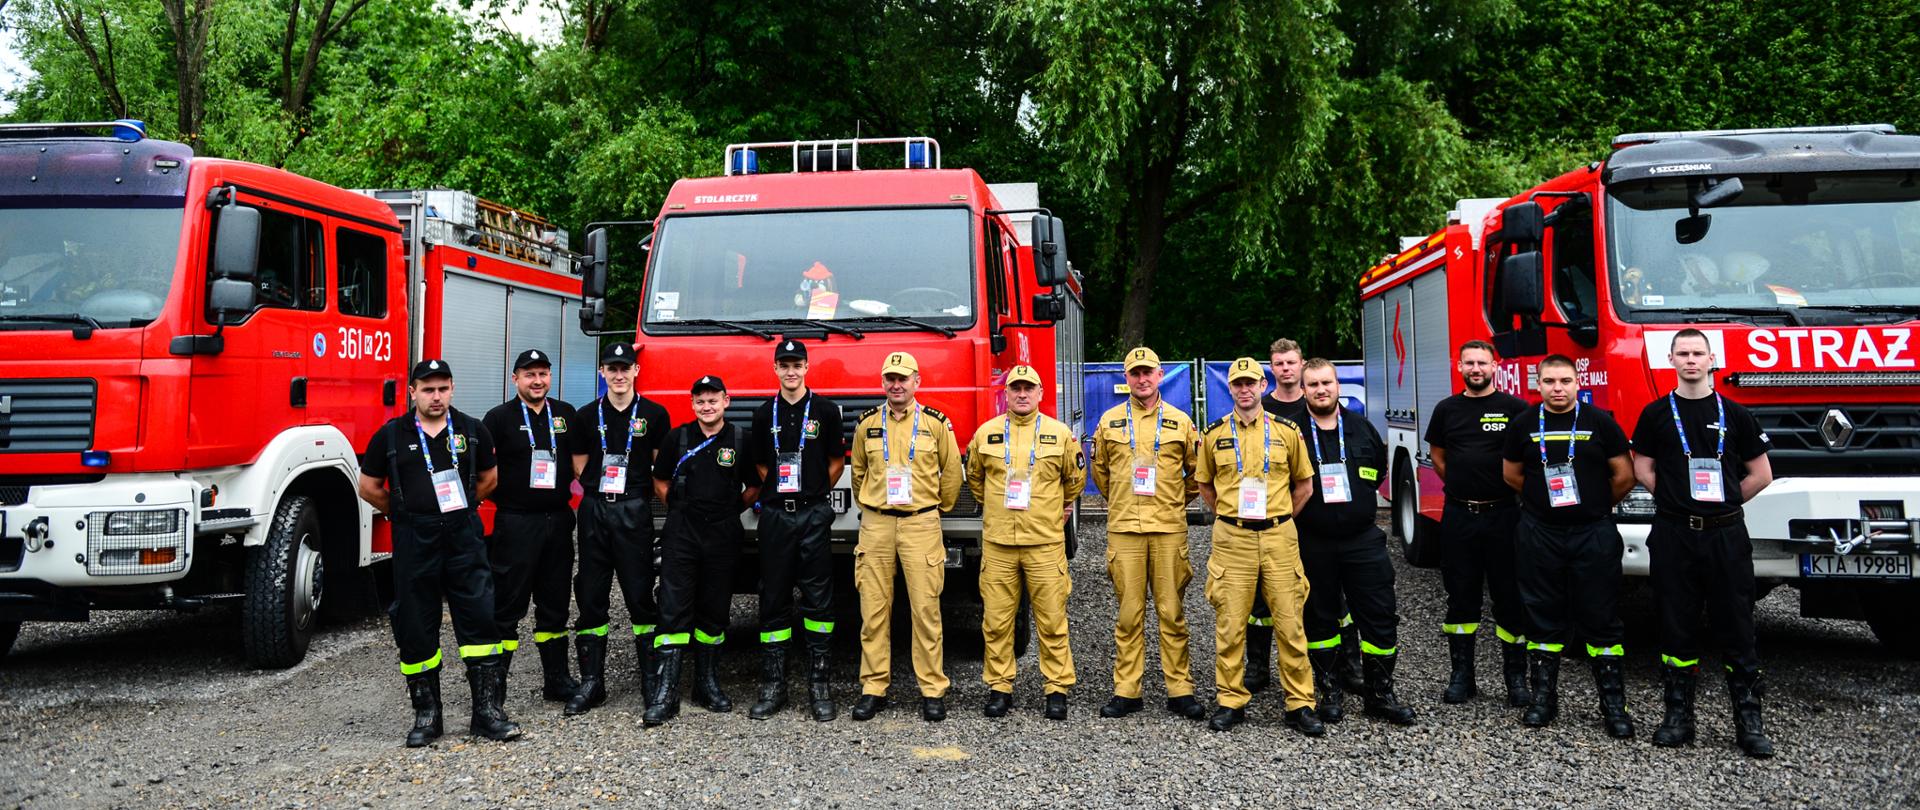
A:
835,155
481,224
1637,138
125,129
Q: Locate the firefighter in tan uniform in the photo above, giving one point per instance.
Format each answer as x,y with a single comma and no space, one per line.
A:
1253,468
1026,469
1143,459
906,471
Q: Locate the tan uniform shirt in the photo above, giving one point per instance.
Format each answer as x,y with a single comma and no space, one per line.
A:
1285,452
934,467
1056,477
1114,460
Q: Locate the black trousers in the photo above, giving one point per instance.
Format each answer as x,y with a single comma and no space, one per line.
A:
1711,569
697,554
616,540
434,559
1569,579
1354,570
796,551
1476,553
532,557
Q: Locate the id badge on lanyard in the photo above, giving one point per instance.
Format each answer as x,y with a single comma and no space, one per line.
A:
613,475
899,478
449,490
787,472
1707,481
1146,478
1563,488
1333,484
1253,499
543,474
1019,493
1253,491
899,486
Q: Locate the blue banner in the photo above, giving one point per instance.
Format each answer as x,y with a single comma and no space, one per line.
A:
1219,400
1107,387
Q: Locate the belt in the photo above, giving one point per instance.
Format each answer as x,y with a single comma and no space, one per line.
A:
900,513
1701,523
616,498
793,504
1479,507
1253,525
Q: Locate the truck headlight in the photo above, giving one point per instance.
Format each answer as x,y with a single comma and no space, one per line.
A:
1637,507
147,541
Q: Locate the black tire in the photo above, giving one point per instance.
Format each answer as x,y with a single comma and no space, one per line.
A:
1890,610
1406,505
285,579
9,633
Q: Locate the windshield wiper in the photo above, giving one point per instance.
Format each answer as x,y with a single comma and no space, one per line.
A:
816,323
732,325
1886,308
55,317
903,321
1762,312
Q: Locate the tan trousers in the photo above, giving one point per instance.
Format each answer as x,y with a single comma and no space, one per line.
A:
913,545
1135,562
1044,569
1240,562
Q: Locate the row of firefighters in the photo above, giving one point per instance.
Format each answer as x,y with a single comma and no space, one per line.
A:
1296,556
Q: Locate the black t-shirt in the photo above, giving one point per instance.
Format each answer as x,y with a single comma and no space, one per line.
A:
823,437
1655,437
463,434
509,427
709,481
1473,431
1366,463
1597,439
598,423
1295,411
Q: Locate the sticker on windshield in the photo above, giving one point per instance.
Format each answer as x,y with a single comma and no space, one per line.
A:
664,315
1653,300
666,301
1787,296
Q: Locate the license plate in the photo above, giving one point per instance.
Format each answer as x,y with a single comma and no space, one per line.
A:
1872,566
841,498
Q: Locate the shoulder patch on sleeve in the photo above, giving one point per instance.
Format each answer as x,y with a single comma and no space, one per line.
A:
1222,421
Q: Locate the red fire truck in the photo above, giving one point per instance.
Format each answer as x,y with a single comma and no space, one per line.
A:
192,352
859,248
1796,250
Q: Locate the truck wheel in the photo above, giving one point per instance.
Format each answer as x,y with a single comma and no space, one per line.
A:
1890,611
1406,507
283,577
9,632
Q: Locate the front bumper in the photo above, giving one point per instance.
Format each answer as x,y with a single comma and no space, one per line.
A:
123,530
1796,516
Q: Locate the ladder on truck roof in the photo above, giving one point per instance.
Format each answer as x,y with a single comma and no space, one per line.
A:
834,155
460,218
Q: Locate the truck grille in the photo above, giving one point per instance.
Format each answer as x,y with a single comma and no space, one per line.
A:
46,416
1816,440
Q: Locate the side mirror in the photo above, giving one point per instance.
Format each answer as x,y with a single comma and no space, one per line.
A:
1522,223
231,297
236,246
1049,308
1520,284
1049,251
593,283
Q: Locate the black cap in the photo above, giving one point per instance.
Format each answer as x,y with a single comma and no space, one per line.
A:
709,383
431,368
790,349
532,357
620,353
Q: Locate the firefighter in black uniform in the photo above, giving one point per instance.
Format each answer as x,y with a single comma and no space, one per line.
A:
531,547
799,449
1344,553
706,480
1702,456
614,445
1468,434
1568,460
426,470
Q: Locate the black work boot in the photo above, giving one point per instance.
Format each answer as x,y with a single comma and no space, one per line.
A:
1326,685
866,706
486,678
663,703
1187,706
1259,666
1379,699
556,683
1513,669
1460,685
643,661
1744,689
1347,662
1305,721
1118,706
773,683
933,709
1676,729
998,703
1609,683
592,651
1056,706
1225,718
707,693
423,689
1545,669
820,688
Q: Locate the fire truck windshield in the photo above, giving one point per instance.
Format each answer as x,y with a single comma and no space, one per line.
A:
1811,247
914,264
111,266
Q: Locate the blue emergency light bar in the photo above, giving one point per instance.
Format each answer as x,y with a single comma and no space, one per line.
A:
124,129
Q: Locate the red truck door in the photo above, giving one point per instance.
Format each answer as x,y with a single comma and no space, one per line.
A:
357,375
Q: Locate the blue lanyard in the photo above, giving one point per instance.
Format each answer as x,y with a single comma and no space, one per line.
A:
1033,450
553,439
1720,406
805,414
697,448
1266,446
426,455
602,410
886,444
1157,413
1339,428
1573,432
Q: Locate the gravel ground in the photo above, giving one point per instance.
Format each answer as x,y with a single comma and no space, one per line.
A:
152,709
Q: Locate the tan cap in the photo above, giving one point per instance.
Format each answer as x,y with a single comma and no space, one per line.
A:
1023,373
900,363
1142,356
1245,368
